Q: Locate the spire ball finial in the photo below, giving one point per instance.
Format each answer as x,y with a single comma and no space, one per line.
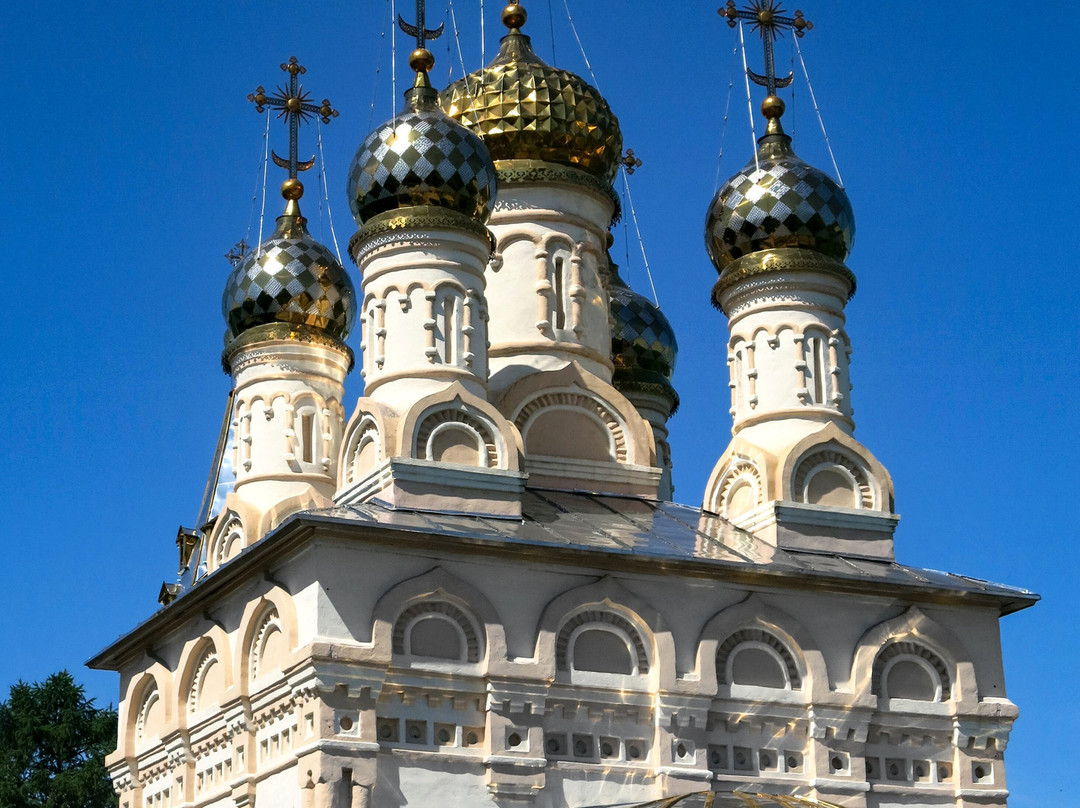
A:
292,189
421,60
514,16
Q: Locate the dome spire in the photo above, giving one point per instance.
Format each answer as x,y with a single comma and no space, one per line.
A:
295,108
767,20
421,59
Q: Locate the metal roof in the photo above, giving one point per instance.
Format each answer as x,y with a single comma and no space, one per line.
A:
630,526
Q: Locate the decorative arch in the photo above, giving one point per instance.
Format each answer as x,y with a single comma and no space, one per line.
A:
437,594
605,605
920,659
914,636
362,449
829,476
227,541
757,622
830,438
451,617
148,711
456,409
765,643
741,489
605,620
206,685
267,640
456,435
602,423
592,407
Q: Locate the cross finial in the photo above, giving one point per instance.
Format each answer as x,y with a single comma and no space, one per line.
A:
237,253
630,161
420,30
766,18
296,108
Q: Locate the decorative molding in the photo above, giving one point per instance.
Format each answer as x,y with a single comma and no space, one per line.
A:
756,635
511,172
832,458
907,648
604,617
408,618
575,400
402,227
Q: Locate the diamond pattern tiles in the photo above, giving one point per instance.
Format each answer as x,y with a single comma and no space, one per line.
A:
290,278
421,157
641,336
525,109
781,202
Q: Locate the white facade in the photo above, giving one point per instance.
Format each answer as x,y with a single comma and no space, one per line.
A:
466,587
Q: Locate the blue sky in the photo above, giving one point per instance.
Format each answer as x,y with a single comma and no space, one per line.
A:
131,157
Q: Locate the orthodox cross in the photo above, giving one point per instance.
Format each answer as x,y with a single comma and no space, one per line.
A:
237,253
296,108
419,30
767,21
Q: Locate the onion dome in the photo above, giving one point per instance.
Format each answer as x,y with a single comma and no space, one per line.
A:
421,157
290,279
526,110
777,200
643,344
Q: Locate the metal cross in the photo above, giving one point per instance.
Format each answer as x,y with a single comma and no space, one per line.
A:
295,109
630,161
237,253
766,19
421,33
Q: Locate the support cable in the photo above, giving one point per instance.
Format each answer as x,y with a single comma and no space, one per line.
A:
375,78
584,56
483,52
749,102
266,162
457,39
551,25
813,98
326,194
641,241
723,126
393,56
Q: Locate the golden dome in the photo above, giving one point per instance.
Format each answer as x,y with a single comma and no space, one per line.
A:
525,109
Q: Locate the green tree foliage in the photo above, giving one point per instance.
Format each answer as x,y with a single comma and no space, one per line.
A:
53,742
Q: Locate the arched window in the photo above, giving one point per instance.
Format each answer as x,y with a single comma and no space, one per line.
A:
436,629
597,641
831,478
757,658
908,670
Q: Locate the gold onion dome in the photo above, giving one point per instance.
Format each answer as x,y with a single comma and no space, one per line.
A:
643,344
525,109
291,279
421,157
776,201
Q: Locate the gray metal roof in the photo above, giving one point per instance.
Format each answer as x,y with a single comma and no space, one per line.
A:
664,531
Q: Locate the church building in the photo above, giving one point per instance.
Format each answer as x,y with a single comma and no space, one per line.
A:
471,586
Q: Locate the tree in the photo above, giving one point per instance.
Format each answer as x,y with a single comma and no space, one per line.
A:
53,742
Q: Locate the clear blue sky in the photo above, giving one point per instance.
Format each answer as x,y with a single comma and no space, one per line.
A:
131,156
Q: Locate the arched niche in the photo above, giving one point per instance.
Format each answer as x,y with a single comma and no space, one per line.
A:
629,622
823,467
365,443
776,644
267,640
462,611
939,662
205,674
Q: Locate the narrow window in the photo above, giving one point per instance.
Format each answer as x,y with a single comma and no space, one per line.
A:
738,378
307,439
448,329
817,363
560,308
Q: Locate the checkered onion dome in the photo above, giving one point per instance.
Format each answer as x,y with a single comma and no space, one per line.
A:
642,339
525,109
290,278
421,157
779,201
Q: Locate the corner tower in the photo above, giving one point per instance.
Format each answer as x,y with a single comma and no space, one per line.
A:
778,233
288,308
556,146
424,435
